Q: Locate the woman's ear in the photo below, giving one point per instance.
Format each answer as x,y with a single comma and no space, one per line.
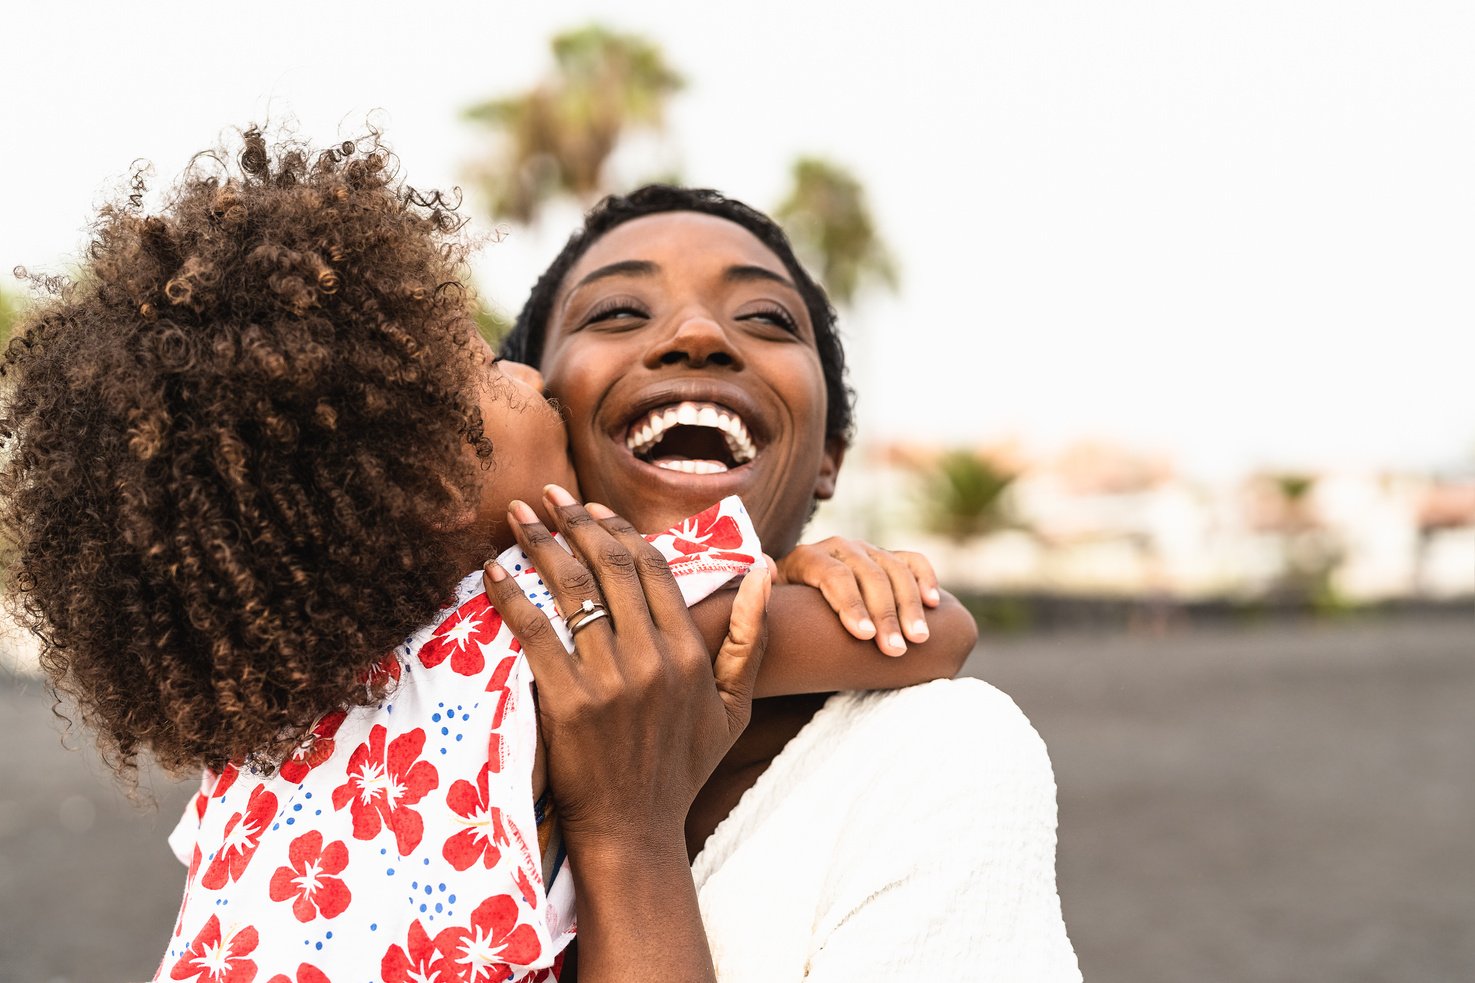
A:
829,469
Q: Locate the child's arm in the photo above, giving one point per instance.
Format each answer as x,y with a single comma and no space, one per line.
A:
810,651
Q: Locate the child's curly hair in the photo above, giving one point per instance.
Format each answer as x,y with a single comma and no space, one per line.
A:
228,447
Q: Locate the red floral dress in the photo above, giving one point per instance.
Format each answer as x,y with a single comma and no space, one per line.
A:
399,843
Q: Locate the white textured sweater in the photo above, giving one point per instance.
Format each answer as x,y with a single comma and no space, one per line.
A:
900,835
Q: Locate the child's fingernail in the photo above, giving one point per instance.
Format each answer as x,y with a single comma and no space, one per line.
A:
598,511
557,495
919,629
898,643
495,571
521,512
866,625
932,595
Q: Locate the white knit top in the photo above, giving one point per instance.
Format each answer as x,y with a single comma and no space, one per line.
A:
900,835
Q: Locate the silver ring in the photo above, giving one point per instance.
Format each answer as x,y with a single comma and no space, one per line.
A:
586,618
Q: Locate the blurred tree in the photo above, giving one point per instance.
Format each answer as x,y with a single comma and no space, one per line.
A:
964,495
9,313
1310,553
827,218
556,138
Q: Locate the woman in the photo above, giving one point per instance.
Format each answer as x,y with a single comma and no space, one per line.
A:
856,836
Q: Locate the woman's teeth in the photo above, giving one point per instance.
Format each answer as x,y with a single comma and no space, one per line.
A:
689,466
645,434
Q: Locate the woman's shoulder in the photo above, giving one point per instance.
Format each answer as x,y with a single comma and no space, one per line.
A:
945,712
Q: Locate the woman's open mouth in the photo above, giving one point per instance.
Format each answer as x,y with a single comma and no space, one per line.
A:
691,437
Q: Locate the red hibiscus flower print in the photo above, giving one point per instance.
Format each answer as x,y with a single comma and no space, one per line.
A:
482,835
708,531
525,887
242,836
309,882
461,636
386,670
306,973
214,957
225,781
720,559
417,962
316,749
550,973
383,784
498,684
483,952
189,882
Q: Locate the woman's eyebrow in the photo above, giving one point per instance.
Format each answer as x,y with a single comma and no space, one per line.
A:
746,274
625,267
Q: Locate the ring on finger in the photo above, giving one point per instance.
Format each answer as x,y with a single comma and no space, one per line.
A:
589,610
584,620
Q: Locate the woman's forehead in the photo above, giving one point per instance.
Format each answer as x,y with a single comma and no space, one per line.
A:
677,242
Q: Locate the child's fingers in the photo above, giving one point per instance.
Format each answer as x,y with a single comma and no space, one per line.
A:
878,591
926,577
736,667
906,593
852,572
530,626
837,581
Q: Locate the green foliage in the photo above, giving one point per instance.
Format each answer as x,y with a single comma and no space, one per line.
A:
555,139
10,310
827,218
1294,488
964,495
493,323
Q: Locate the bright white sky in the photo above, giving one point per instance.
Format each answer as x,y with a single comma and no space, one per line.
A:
1239,232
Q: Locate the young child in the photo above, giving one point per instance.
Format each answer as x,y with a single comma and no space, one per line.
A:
257,445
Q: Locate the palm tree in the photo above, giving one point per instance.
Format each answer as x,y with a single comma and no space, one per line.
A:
556,138
827,218
964,495
1310,553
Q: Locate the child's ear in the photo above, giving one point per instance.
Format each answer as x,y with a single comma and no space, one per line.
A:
829,469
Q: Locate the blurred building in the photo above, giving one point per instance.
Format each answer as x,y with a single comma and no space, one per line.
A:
1104,520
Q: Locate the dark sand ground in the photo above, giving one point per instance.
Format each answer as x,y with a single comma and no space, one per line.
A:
1269,804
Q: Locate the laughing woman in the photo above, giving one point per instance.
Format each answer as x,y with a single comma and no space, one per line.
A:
854,836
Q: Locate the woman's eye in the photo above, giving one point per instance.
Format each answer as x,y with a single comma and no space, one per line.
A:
776,316
616,310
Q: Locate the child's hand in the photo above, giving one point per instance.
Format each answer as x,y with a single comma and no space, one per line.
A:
877,594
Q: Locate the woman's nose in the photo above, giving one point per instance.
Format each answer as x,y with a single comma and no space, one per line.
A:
525,374
697,340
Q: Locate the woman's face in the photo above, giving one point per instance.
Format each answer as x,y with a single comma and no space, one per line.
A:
529,446
685,362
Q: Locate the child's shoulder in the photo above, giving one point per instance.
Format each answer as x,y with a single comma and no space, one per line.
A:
463,636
